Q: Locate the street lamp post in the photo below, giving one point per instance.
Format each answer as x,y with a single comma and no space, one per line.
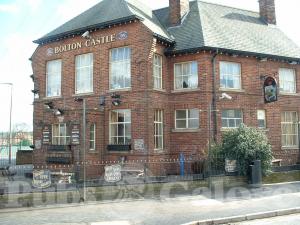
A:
82,153
10,115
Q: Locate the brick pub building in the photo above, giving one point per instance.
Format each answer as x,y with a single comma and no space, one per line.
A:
143,82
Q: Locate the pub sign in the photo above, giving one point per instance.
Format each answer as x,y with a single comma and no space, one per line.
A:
270,90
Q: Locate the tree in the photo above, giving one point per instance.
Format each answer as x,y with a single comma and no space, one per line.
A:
245,145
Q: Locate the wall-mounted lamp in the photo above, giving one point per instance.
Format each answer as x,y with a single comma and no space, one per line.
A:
102,100
263,59
58,112
116,99
36,93
86,35
49,105
293,63
32,77
225,96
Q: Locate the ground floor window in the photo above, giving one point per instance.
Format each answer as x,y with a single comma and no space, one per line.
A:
92,136
232,118
187,119
120,127
261,118
158,130
289,129
59,134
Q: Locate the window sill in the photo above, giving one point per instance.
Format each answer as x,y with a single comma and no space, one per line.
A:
119,90
232,90
185,130
185,90
228,129
83,94
49,98
160,90
290,148
263,129
159,151
92,151
289,94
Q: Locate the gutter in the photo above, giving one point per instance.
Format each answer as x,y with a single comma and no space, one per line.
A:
231,51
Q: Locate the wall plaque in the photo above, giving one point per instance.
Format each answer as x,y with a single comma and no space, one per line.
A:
139,144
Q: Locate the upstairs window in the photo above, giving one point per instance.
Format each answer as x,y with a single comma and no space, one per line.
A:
230,75
186,75
157,71
84,73
232,118
287,81
53,74
120,68
187,119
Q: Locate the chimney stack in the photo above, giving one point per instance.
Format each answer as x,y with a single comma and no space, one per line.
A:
267,11
178,9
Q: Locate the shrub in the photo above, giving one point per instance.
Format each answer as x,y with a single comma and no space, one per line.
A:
245,145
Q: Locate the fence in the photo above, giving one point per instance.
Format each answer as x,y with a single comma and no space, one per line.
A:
131,172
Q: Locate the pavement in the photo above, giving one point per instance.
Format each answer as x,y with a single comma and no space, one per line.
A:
235,202
280,220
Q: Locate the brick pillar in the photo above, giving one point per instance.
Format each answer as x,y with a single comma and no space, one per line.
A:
267,11
178,9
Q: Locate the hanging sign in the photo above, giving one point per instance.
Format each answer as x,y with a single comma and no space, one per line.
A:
270,90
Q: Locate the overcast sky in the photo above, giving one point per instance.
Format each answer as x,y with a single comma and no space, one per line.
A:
23,21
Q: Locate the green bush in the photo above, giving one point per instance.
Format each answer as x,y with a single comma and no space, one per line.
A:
245,145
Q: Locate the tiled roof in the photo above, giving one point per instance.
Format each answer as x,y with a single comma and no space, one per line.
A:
206,26
216,26
108,12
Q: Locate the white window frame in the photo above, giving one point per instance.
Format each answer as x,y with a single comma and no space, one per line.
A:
285,135
185,75
228,75
261,112
123,61
56,73
92,141
157,67
126,111
283,81
61,139
79,68
186,119
158,126
232,118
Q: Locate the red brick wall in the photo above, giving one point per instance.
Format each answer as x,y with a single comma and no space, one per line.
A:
143,100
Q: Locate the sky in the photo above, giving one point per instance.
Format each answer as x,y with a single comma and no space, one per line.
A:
23,21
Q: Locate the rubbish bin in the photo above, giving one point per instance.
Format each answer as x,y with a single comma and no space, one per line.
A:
255,174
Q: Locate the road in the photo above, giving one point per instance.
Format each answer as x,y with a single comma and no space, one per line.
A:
163,211
293,219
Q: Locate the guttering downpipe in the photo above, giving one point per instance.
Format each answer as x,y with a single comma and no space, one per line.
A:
214,96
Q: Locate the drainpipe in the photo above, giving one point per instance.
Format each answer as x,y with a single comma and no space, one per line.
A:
214,96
